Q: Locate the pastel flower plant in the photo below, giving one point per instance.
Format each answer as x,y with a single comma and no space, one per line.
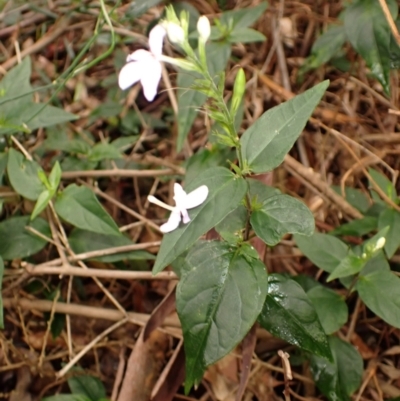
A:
183,202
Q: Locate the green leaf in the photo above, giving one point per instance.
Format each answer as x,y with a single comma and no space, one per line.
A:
226,191
368,32
269,139
18,112
325,48
23,175
260,192
383,183
230,228
244,17
189,101
289,314
80,207
245,35
218,300
324,250
67,397
16,242
88,386
279,215
41,203
55,176
355,197
330,307
348,266
379,289
1,299
339,379
3,165
357,227
390,218
85,241
102,151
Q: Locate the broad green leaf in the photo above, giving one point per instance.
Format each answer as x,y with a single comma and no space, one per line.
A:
1,299
339,379
325,47
124,143
85,241
289,314
324,250
379,289
76,146
330,307
139,7
205,159
244,17
369,33
88,386
67,397
357,227
18,112
390,218
189,101
16,242
355,197
279,215
226,191
260,192
218,299
231,227
245,35
23,175
80,207
269,139
102,151
383,183
71,163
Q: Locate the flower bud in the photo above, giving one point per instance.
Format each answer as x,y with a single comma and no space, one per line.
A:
175,33
203,27
238,90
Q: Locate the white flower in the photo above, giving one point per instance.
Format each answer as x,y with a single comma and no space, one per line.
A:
203,28
183,201
145,66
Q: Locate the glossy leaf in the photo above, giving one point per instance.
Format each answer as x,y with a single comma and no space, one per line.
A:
269,139
23,175
379,289
86,241
1,299
324,250
357,227
390,218
331,308
80,207
339,379
289,314
189,101
226,191
369,33
279,215
218,299
16,242
88,386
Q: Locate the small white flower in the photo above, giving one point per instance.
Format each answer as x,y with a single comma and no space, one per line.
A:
145,66
203,28
183,201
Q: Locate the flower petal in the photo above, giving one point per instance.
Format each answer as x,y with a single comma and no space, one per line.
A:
156,38
172,223
140,55
196,197
151,78
130,74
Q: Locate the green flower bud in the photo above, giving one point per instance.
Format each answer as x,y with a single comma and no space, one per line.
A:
238,90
